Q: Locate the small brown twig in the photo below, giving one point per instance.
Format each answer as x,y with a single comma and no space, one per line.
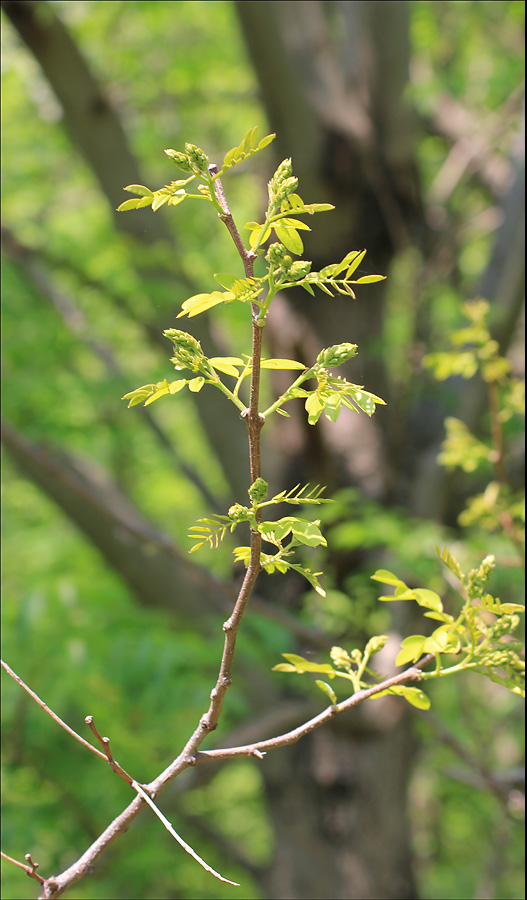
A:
114,765
29,869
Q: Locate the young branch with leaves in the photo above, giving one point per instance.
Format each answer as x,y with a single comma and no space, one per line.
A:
479,635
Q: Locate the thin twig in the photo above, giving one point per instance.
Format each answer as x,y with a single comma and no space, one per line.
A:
114,765
414,673
84,865
178,838
50,712
29,868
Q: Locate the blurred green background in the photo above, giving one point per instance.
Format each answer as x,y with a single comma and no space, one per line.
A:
83,304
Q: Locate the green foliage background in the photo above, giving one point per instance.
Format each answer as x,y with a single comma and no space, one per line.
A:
179,72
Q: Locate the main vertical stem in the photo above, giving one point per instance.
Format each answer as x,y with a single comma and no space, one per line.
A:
254,422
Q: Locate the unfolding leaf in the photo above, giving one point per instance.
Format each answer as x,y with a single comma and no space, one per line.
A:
328,691
160,392
429,599
314,406
411,649
159,200
452,563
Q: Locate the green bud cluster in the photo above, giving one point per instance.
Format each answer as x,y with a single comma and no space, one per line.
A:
193,160
198,159
496,658
283,182
187,350
181,160
340,658
258,490
376,643
299,269
505,625
336,355
239,513
275,254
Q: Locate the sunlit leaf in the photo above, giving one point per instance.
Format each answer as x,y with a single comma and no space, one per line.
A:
135,203
411,649
328,691
369,279
290,238
386,577
139,189
226,364
412,694
281,364
195,384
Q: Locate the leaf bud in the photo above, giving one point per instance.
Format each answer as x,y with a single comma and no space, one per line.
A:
187,350
284,170
340,658
299,269
375,644
505,625
282,183
181,160
197,157
336,355
258,490
288,186
275,254
239,513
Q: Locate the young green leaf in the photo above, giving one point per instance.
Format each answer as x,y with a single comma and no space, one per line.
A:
136,203
328,691
201,302
412,694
